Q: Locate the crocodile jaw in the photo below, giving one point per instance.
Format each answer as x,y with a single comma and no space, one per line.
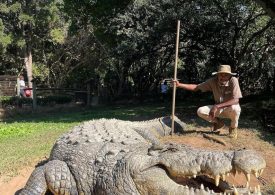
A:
155,181
174,162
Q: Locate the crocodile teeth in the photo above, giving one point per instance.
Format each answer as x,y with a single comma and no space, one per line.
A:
235,191
256,174
255,190
202,187
194,176
261,172
247,177
223,177
247,185
259,188
217,180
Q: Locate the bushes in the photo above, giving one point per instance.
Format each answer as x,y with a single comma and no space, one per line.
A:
42,101
51,100
14,101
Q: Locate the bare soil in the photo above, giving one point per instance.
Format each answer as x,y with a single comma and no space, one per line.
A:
246,139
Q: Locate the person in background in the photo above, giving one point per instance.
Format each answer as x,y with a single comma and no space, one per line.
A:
226,91
22,86
163,90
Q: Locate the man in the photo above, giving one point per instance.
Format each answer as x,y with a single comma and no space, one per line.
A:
226,92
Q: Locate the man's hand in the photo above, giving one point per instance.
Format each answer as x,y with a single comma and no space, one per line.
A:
176,82
190,87
213,112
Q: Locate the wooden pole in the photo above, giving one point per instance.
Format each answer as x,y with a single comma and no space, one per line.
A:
175,78
34,96
18,87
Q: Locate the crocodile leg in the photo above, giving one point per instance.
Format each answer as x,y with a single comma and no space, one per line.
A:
59,178
36,185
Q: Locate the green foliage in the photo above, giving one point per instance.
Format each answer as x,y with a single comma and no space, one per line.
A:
21,43
5,39
42,101
14,101
115,42
3,8
15,7
41,72
212,33
30,27
57,35
25,18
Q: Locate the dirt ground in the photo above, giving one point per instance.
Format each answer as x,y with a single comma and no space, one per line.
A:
246,139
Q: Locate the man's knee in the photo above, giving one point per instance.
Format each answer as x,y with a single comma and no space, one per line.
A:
204,110
236,110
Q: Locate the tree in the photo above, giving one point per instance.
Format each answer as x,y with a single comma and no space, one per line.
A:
268,5
137,40
129,45
32,25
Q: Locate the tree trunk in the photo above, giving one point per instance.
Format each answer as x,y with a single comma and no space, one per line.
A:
28,65
27,34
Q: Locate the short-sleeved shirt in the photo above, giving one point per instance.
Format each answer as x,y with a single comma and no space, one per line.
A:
222,93
164,88
22,84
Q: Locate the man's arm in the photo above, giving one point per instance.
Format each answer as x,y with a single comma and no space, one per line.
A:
227,103
190,87
215,108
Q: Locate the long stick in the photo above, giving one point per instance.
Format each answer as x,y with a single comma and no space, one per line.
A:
175,77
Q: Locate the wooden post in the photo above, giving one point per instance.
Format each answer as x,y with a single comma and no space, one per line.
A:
34,96
18,87
175,78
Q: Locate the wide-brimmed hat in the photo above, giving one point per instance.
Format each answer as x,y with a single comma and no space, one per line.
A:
224,69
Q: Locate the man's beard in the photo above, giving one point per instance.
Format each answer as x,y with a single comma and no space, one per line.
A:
224,83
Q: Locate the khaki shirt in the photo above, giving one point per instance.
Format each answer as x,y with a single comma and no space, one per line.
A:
222,93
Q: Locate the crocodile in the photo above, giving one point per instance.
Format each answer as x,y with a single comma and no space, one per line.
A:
111,156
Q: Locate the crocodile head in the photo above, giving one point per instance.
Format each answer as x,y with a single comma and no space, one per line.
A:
173,169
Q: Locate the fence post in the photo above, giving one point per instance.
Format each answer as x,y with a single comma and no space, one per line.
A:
34,97
18,87
0,101
88,94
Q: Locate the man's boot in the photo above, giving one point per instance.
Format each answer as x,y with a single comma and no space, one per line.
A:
217,126
233,132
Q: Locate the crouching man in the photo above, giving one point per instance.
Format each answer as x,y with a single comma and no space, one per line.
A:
226,91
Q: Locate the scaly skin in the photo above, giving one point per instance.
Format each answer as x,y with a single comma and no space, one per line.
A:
122,157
